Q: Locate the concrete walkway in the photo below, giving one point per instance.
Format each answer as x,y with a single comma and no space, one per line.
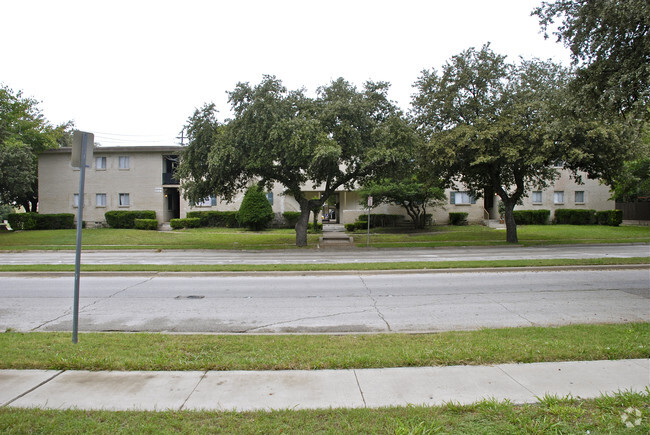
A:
314,389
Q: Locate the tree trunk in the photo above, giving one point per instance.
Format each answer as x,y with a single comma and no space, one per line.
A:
511,225
301,225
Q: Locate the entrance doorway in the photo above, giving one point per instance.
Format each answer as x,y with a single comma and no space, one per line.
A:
331,210
172,205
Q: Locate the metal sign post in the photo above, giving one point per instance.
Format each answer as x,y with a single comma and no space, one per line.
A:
80,143
369,207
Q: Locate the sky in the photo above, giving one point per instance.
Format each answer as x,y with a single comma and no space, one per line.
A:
132,72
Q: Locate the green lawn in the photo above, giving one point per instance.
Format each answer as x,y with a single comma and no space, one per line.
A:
224,238
146,351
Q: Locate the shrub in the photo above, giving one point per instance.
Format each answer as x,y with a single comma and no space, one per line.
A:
126,218
255,211
185,223
319,227
458,218
351,227
291,217
146,224
214,218
5,211
575,216
381,220
610,217
35,221
531,217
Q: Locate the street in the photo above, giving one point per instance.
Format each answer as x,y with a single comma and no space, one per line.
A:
348,303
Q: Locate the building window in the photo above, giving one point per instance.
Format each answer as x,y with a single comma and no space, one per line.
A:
269,196
461,198
124,200
100,163
537,197
580,196
75,200
100,200
558,197
206,202
123,162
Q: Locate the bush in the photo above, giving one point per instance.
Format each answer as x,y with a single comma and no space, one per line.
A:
185,223
214,218
291,217
255,211
575,216
5,211
381,220
319,227
610,217
35,221
458,218
126,218
146,224
351,227
532,217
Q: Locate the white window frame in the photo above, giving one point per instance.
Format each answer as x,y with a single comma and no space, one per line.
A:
100,200
124,199
537,197
100,166
461,198
206,202
124,163
75,200
581,192
558,197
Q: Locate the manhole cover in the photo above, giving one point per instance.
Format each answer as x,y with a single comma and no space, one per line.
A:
190,297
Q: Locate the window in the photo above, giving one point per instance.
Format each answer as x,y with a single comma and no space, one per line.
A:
75,200
580,196
100,200
461,198
537,197
558,197
124,162
124,200
100,163
269,196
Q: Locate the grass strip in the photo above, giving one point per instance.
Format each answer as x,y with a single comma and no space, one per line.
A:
551,415
149,351
402,265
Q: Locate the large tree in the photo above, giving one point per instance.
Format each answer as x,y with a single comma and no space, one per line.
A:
487,124
279,136
24,132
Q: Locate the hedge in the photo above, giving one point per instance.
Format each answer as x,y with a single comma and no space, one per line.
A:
458,218
532,217
381,220
126,218
146,224
610,217
291,217
185,223
575,216
214,218
319,226
36,221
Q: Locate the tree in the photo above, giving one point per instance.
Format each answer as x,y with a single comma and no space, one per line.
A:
24,133
487,124
255,211
279,136
610,45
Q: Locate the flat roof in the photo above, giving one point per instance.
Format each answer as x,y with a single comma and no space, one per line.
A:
123,149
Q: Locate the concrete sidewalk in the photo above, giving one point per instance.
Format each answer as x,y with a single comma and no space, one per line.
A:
310,389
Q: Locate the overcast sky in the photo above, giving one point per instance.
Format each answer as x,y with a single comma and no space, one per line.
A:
133,71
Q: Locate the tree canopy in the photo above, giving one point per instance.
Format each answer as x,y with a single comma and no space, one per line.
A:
280,136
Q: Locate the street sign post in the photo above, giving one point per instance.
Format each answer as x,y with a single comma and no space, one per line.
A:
369,207
82,146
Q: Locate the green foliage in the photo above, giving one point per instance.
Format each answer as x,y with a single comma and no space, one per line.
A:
610,217
255,211
177,224
5,211
633,182
574,216
350,227
458,218
380,220
532,217
36,221
146,224
126,218
291,217
319,227
215,218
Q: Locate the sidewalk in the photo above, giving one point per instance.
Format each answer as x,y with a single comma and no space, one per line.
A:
309,389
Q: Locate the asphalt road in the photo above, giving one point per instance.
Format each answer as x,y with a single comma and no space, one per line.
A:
364,302
313,256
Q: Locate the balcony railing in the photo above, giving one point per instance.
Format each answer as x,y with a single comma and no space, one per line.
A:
168,178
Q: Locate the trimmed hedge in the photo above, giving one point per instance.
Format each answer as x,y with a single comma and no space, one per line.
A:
532,217
381,220
458,218
610,217
574,216
185,223
319,227
146,224
126,218
36,221
214,218
291,217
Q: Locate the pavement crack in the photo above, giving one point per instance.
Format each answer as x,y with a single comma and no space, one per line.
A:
374,304
32,389
509,310
302,318
193,390
365,405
